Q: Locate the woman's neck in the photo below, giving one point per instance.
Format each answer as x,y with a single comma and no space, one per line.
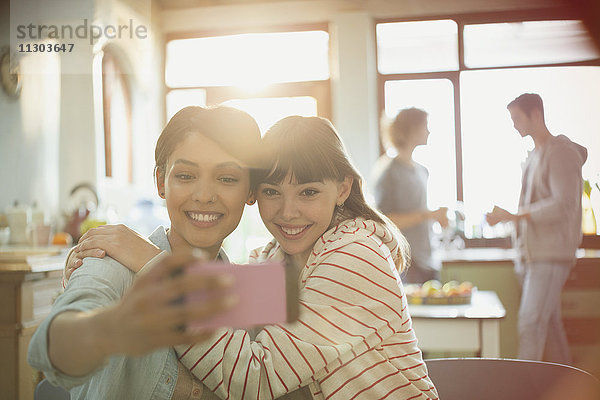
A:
300,260
405,154
180,245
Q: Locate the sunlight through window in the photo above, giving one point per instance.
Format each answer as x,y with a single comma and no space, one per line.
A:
421,46
436,97
251,60
527,43
267,111
493,152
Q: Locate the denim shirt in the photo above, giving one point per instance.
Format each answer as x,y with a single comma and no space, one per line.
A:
98,283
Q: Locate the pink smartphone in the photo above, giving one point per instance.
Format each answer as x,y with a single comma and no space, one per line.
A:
266,294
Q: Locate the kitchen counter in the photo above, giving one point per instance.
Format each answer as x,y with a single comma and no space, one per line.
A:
32,259
498,255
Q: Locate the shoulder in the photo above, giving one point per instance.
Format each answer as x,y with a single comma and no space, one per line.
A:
421,168
382,168
562,149
359,238
105,273
353,255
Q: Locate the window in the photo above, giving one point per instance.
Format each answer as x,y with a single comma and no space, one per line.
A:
269,75
267,111
494,62
118,143
527,43
248,60
178,99
422,46
493,151
434,96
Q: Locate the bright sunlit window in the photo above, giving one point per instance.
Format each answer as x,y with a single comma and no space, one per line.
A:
493,152
180,98
435,96
420,65
267,111
419,46
527,43
249,60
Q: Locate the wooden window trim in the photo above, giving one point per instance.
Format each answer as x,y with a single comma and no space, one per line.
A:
111,71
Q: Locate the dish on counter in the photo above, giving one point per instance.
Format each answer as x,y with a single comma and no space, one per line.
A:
433,292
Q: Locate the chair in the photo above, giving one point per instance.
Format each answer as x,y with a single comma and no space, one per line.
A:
495,379
47,391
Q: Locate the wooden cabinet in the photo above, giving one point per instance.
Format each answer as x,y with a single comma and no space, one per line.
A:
581,311
25,300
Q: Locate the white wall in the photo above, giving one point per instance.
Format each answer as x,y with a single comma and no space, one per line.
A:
50,138
29,131
354,86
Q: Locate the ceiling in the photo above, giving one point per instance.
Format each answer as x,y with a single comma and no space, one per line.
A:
178,4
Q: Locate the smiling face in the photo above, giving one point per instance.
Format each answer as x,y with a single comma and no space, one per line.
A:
205,189
298,214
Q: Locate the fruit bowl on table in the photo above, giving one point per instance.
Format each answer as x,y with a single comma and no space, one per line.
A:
434,293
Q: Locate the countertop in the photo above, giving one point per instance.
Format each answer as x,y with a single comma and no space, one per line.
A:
497,255
32,259
484,305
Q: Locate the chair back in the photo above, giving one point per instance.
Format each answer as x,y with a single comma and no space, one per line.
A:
495,379
47,391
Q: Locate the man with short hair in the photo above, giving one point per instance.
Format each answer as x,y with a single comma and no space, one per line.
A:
548,226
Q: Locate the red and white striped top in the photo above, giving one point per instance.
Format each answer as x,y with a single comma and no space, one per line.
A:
353,340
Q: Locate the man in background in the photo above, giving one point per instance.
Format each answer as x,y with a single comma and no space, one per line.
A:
548,226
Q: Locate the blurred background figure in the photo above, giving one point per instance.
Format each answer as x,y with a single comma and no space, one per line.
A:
400,189
548,225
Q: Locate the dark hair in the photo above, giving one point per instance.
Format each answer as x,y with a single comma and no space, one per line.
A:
528,102
404,125
234,130
311,150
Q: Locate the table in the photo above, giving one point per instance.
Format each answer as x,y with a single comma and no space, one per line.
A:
471,327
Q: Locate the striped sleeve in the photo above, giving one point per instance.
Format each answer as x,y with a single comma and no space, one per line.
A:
351,305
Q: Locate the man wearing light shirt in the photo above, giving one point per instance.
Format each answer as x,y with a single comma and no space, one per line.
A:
548,226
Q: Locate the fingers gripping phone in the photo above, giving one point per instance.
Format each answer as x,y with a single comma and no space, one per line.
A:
266,294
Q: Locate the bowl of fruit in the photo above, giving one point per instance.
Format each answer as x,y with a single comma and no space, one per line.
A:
433,292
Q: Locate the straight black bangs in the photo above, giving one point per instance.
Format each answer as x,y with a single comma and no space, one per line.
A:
304,156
